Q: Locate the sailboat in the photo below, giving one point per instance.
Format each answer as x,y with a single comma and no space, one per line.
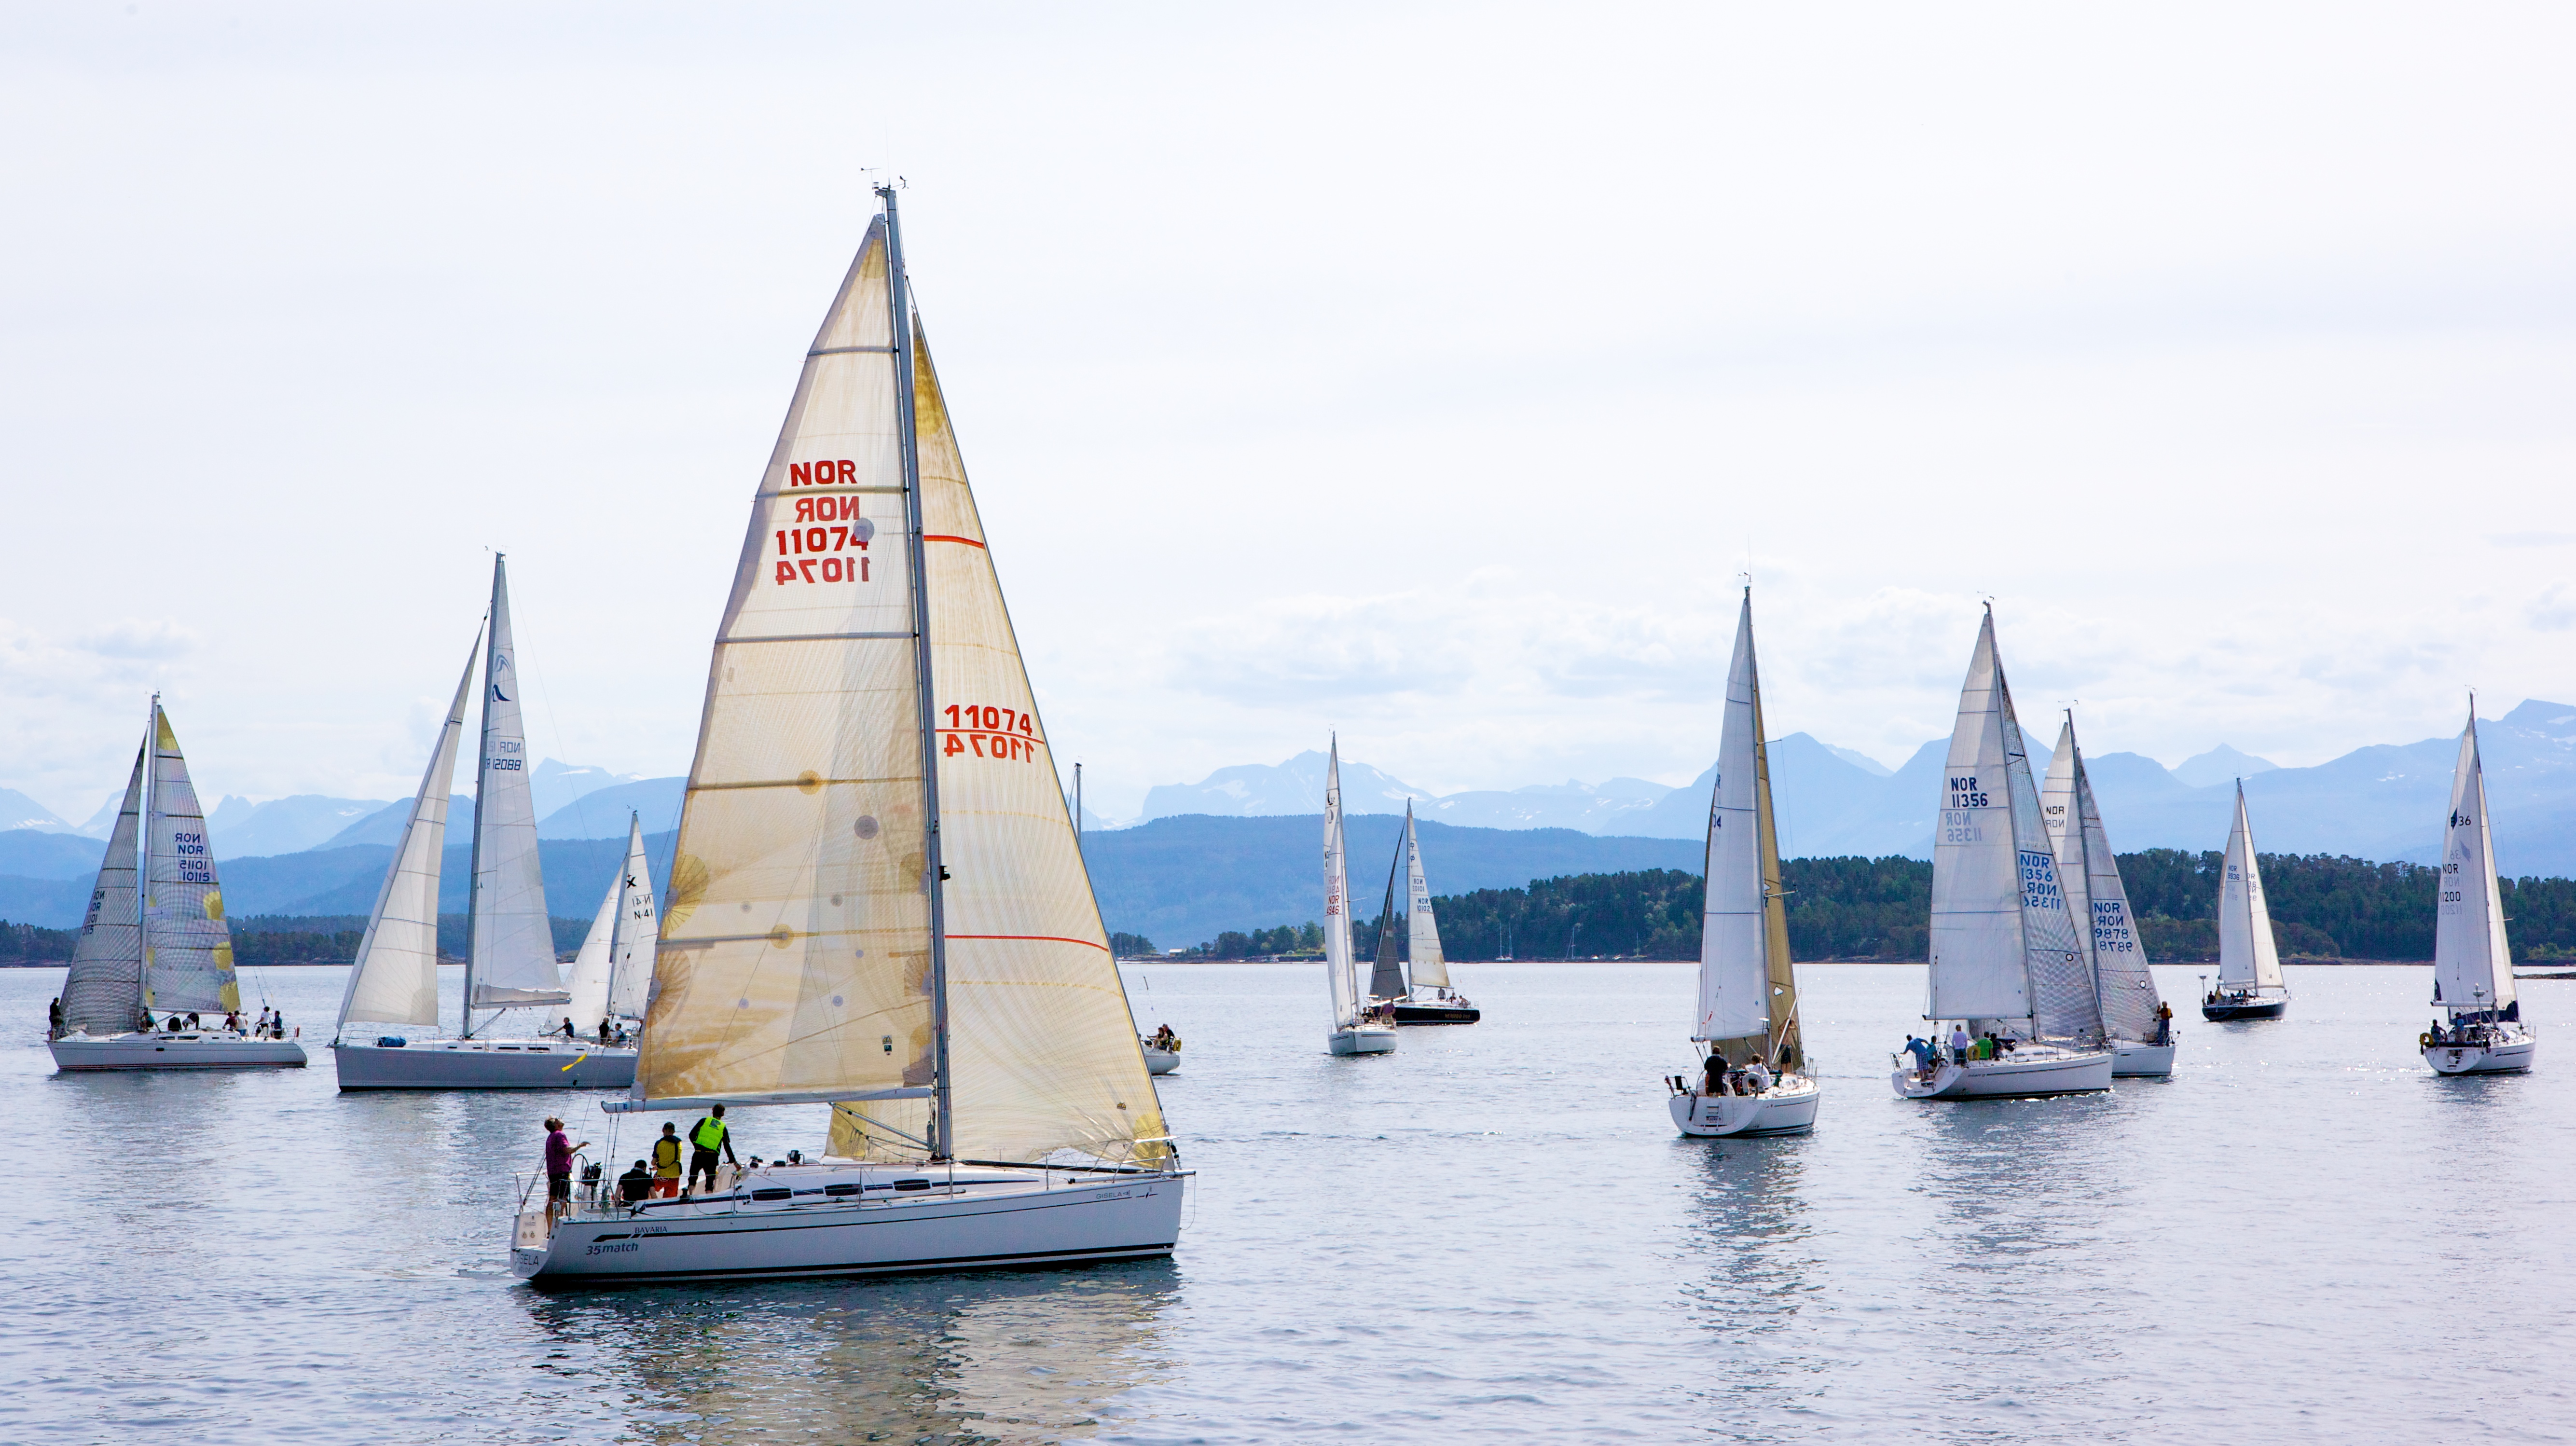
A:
1748,990
154,942
2134,1016
615,966
876,899
1162,1048
2007,968
510,944
1408,956
2249,962
2482,1031
1360,1023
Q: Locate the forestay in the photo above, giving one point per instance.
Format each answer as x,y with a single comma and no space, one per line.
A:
2090,873
187,946
103,988
2003,947
2472,967
795,958
1424,963
395,977
2248,959
511,957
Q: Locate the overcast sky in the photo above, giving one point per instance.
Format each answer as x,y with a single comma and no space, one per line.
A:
1429,373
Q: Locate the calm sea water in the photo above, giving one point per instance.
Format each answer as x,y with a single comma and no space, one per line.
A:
1492,1235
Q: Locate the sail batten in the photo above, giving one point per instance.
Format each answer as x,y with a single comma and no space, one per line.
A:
394,979
2472,963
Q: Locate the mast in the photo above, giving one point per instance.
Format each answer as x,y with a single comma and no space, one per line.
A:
1784,1050
934,872
482,790
143,857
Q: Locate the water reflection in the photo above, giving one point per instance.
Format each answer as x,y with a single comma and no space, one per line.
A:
964,1359
2016,1294
1750,1223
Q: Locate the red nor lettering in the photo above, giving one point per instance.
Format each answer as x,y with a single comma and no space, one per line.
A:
800,474
850,472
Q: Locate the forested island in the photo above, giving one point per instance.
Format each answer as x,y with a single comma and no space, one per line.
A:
2323,907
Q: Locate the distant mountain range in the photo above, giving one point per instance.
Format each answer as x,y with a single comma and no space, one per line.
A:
1179,881
2383,802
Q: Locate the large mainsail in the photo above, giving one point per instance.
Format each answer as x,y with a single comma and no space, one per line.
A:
187,946
2472,968
510,954
798,957
2247,956
2003,949
1337,897
395,978
103,988
1428,967
2095,897
1734,964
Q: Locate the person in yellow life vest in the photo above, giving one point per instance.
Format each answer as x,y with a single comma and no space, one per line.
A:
706,1137
666,1162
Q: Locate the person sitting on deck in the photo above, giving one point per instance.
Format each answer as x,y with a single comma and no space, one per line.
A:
567,1030
636,1185
1758,1077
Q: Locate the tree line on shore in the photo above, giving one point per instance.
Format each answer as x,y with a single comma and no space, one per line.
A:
2323,906
265,939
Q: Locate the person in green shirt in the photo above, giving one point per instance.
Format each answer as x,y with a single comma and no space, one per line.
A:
708,1136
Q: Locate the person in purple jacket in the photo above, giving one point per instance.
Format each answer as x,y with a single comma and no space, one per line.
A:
559,1152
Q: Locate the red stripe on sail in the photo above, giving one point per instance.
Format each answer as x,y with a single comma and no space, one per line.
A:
970,542
1036,938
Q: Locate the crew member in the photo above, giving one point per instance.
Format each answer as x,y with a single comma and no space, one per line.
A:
666,1162
708,1136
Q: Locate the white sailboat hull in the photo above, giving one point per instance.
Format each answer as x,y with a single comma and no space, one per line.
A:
2140,1061
2509,1055
2029,1071
885,1220
1787,1108
1160,1061
77,1052
484,1064
1362,1039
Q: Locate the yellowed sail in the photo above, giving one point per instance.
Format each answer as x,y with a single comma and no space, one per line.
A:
795,948
795,959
